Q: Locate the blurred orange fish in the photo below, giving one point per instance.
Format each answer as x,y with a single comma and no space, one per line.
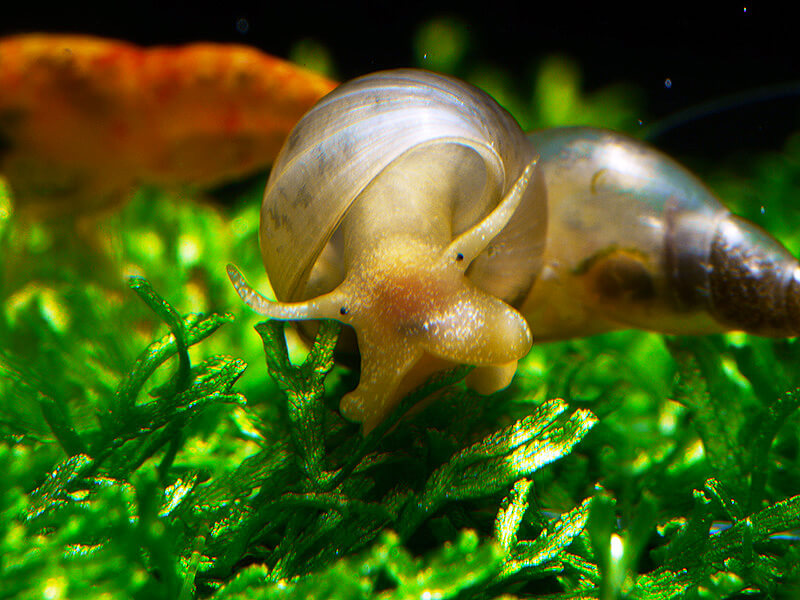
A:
83,119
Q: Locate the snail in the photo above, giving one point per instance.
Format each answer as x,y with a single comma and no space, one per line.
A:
413,208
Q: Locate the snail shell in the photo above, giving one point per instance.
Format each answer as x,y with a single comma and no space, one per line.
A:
356,132
410,206
636,241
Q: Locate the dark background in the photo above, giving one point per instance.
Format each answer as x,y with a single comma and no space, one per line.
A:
708,53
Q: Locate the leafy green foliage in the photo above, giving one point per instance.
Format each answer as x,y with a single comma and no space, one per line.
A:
141,460
128,489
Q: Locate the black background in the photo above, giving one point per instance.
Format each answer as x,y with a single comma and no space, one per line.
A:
707,52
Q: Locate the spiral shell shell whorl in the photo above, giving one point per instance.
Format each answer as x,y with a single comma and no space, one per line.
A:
352,134
636,240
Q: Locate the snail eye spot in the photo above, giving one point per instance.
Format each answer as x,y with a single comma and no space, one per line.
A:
459,257
344,310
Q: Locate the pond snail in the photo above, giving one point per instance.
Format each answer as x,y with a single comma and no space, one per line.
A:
411,207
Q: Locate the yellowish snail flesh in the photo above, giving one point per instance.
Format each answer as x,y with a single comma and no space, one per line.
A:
411,207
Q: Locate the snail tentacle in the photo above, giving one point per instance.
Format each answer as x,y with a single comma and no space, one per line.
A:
328,306
472,242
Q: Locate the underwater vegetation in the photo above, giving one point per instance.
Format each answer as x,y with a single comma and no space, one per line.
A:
155,446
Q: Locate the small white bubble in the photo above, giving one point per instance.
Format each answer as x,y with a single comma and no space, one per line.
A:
617,547
668,83
242,25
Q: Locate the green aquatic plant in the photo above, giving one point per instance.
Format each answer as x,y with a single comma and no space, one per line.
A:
424,506
125,493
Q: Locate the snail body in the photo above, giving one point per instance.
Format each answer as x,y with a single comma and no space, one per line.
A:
411,207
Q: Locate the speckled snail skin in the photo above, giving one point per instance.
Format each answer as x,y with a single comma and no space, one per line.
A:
411,207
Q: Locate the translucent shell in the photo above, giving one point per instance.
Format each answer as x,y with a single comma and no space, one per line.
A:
354,133
636,241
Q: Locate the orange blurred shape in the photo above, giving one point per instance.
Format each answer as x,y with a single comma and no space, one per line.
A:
83,119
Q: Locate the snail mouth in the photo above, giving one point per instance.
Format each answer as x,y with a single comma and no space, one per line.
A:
477,330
